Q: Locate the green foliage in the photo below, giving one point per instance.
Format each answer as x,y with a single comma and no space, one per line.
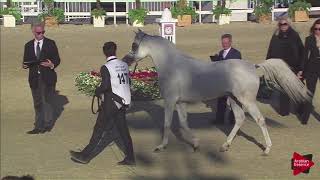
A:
144,83
137,15
181,8
50,11
49,4
263,7
14,11
86,83
218,10
299,5
96,13
99,11
58,13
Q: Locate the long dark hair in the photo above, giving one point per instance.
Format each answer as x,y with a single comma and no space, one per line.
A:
314,24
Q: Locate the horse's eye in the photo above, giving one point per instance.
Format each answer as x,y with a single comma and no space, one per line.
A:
134,47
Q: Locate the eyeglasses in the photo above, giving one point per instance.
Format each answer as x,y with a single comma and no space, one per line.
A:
282,24
316,29
41,32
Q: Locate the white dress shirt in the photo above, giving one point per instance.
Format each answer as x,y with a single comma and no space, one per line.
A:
225,52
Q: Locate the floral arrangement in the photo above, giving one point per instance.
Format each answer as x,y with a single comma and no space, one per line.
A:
86,82
144,83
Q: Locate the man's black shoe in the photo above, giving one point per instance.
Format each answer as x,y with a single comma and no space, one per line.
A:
284,113
35,131
304,122
127,162
78,157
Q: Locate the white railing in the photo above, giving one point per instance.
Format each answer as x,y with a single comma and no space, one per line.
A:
74,9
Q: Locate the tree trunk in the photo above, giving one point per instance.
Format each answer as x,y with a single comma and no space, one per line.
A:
138,4
9,3
98,4
222,3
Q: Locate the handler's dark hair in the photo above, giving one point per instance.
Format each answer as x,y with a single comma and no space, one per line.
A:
229,36
109,49
27,177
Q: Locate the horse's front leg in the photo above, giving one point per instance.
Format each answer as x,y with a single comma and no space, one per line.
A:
168,112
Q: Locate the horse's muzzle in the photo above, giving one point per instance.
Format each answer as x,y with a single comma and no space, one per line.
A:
129,58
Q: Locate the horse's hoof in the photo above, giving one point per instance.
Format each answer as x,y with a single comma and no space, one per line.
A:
196,148
224,148
156,150
159,149
266,152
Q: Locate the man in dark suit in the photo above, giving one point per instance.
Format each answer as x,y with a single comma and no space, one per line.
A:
228,52
41,57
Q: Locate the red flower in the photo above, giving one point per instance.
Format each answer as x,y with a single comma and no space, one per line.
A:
95,73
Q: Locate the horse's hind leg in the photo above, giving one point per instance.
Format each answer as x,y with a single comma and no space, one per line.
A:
168,112
182,112
257,116
239,119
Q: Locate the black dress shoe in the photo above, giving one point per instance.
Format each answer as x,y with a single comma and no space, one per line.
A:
36,131
127,162
78,157
284,113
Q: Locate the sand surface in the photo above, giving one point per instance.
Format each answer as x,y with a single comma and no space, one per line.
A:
46,156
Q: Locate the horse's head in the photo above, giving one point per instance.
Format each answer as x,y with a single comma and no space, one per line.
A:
138,50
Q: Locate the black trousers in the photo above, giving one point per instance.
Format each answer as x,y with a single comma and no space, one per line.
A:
284,104
109,127
311,81
43,101
221,109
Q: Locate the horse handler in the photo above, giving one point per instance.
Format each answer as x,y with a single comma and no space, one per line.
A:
111,123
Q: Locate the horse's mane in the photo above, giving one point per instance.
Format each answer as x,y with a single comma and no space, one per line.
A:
171,46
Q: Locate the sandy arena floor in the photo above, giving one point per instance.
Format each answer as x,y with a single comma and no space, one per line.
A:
46,156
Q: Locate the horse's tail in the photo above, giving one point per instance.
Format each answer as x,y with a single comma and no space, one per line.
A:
279,74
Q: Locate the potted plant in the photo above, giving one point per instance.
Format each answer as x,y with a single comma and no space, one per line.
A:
98,15
299,11
10,15
137,16
262,11
183,13
51,16
221,13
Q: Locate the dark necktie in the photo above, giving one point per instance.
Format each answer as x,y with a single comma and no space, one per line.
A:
38,51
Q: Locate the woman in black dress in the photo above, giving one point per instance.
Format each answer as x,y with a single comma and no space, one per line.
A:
286,44
311,64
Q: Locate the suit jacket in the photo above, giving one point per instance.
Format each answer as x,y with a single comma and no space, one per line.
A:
232,54
311,58
49,50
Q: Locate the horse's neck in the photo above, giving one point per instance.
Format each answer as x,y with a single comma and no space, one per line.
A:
165,60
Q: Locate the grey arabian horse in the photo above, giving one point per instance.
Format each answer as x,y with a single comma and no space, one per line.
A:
184,80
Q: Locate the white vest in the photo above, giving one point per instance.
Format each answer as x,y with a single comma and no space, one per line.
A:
119,76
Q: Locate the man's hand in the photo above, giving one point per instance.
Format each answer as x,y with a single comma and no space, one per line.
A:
25,66
48,63
299,74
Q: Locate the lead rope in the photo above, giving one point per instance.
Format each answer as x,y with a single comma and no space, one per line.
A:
98,104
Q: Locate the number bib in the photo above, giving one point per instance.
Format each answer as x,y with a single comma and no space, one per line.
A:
119,76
